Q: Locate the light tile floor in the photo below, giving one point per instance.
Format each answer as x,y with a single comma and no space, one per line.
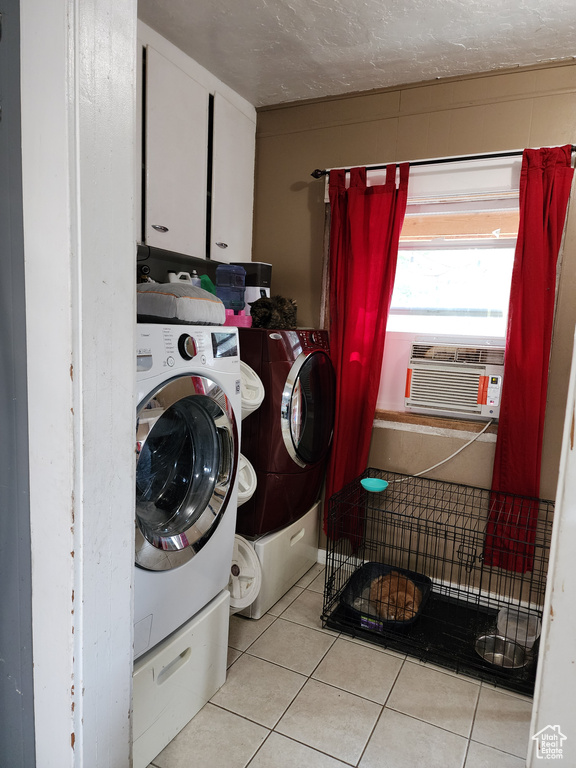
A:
300,696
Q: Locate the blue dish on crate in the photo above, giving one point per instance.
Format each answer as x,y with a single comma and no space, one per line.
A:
363,612
374,484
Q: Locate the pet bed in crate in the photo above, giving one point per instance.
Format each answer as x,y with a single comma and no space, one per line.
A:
363,611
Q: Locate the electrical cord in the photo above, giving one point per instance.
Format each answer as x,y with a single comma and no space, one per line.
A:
424,471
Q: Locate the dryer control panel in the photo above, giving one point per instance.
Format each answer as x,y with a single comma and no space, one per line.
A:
314,340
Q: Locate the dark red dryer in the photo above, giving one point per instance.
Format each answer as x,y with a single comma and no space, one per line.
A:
288,438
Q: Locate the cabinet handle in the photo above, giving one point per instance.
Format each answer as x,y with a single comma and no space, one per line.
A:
159,228
222,245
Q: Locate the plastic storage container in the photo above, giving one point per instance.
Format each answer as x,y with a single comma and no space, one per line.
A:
258,279
230,286
520,627
239,319
258,273
184,277
285,556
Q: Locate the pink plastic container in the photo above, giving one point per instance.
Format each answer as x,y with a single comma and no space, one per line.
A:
240,320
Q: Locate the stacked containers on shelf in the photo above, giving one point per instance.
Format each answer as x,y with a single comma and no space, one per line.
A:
258,279
245,572
230,288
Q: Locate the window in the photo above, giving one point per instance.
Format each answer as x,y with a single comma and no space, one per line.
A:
454,262
448,290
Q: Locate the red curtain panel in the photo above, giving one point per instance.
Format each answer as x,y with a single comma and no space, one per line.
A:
364,234
545,182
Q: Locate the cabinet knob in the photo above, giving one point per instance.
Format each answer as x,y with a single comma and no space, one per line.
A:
222,245
159,228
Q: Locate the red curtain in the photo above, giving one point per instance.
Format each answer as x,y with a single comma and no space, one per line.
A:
364,233
545,183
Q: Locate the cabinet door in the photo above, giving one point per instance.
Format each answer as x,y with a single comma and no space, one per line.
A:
176,158
232,183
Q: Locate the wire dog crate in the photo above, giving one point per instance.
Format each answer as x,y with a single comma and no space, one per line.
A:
447,573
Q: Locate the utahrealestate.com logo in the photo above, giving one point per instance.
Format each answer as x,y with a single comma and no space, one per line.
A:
549,743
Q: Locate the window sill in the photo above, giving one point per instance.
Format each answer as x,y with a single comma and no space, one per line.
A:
458,425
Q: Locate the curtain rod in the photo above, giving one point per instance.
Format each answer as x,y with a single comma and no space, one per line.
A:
317,174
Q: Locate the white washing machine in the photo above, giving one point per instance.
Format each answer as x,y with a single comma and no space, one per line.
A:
188,438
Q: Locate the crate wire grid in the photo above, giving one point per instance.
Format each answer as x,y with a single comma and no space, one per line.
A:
437,529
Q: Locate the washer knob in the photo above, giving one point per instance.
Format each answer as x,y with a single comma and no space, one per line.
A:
187,346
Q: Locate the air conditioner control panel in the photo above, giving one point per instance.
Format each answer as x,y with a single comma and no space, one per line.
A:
494,390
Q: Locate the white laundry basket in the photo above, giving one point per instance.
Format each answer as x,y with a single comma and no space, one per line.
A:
252,390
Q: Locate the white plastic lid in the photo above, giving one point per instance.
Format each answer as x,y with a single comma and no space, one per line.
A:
247,480
245,575
252,390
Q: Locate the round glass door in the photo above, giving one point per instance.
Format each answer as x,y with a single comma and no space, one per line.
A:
187,455
308,408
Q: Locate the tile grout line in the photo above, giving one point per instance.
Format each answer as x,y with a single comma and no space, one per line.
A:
401,667
499,749
308,678
506,692
426,722
242,717
315,749
472,726
296,672
384,706
334,636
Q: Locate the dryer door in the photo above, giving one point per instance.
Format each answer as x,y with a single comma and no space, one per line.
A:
187,456
308,400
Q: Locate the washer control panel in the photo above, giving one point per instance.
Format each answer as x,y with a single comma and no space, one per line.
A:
162,347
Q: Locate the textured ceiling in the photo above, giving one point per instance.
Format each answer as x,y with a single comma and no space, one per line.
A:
274,51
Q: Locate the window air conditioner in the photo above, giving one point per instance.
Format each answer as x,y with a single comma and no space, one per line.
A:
455,380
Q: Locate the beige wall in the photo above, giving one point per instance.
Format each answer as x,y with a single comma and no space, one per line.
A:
484,113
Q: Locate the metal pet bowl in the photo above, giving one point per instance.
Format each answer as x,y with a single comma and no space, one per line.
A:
501,652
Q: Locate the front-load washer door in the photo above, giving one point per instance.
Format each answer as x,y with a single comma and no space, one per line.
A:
307,411
187,456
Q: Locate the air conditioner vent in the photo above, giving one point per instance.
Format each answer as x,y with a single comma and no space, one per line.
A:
458,354
455,390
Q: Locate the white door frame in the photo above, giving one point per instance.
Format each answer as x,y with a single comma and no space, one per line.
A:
78,131
554,697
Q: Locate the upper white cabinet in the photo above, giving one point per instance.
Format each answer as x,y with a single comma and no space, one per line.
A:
232,183
175,158
198,157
